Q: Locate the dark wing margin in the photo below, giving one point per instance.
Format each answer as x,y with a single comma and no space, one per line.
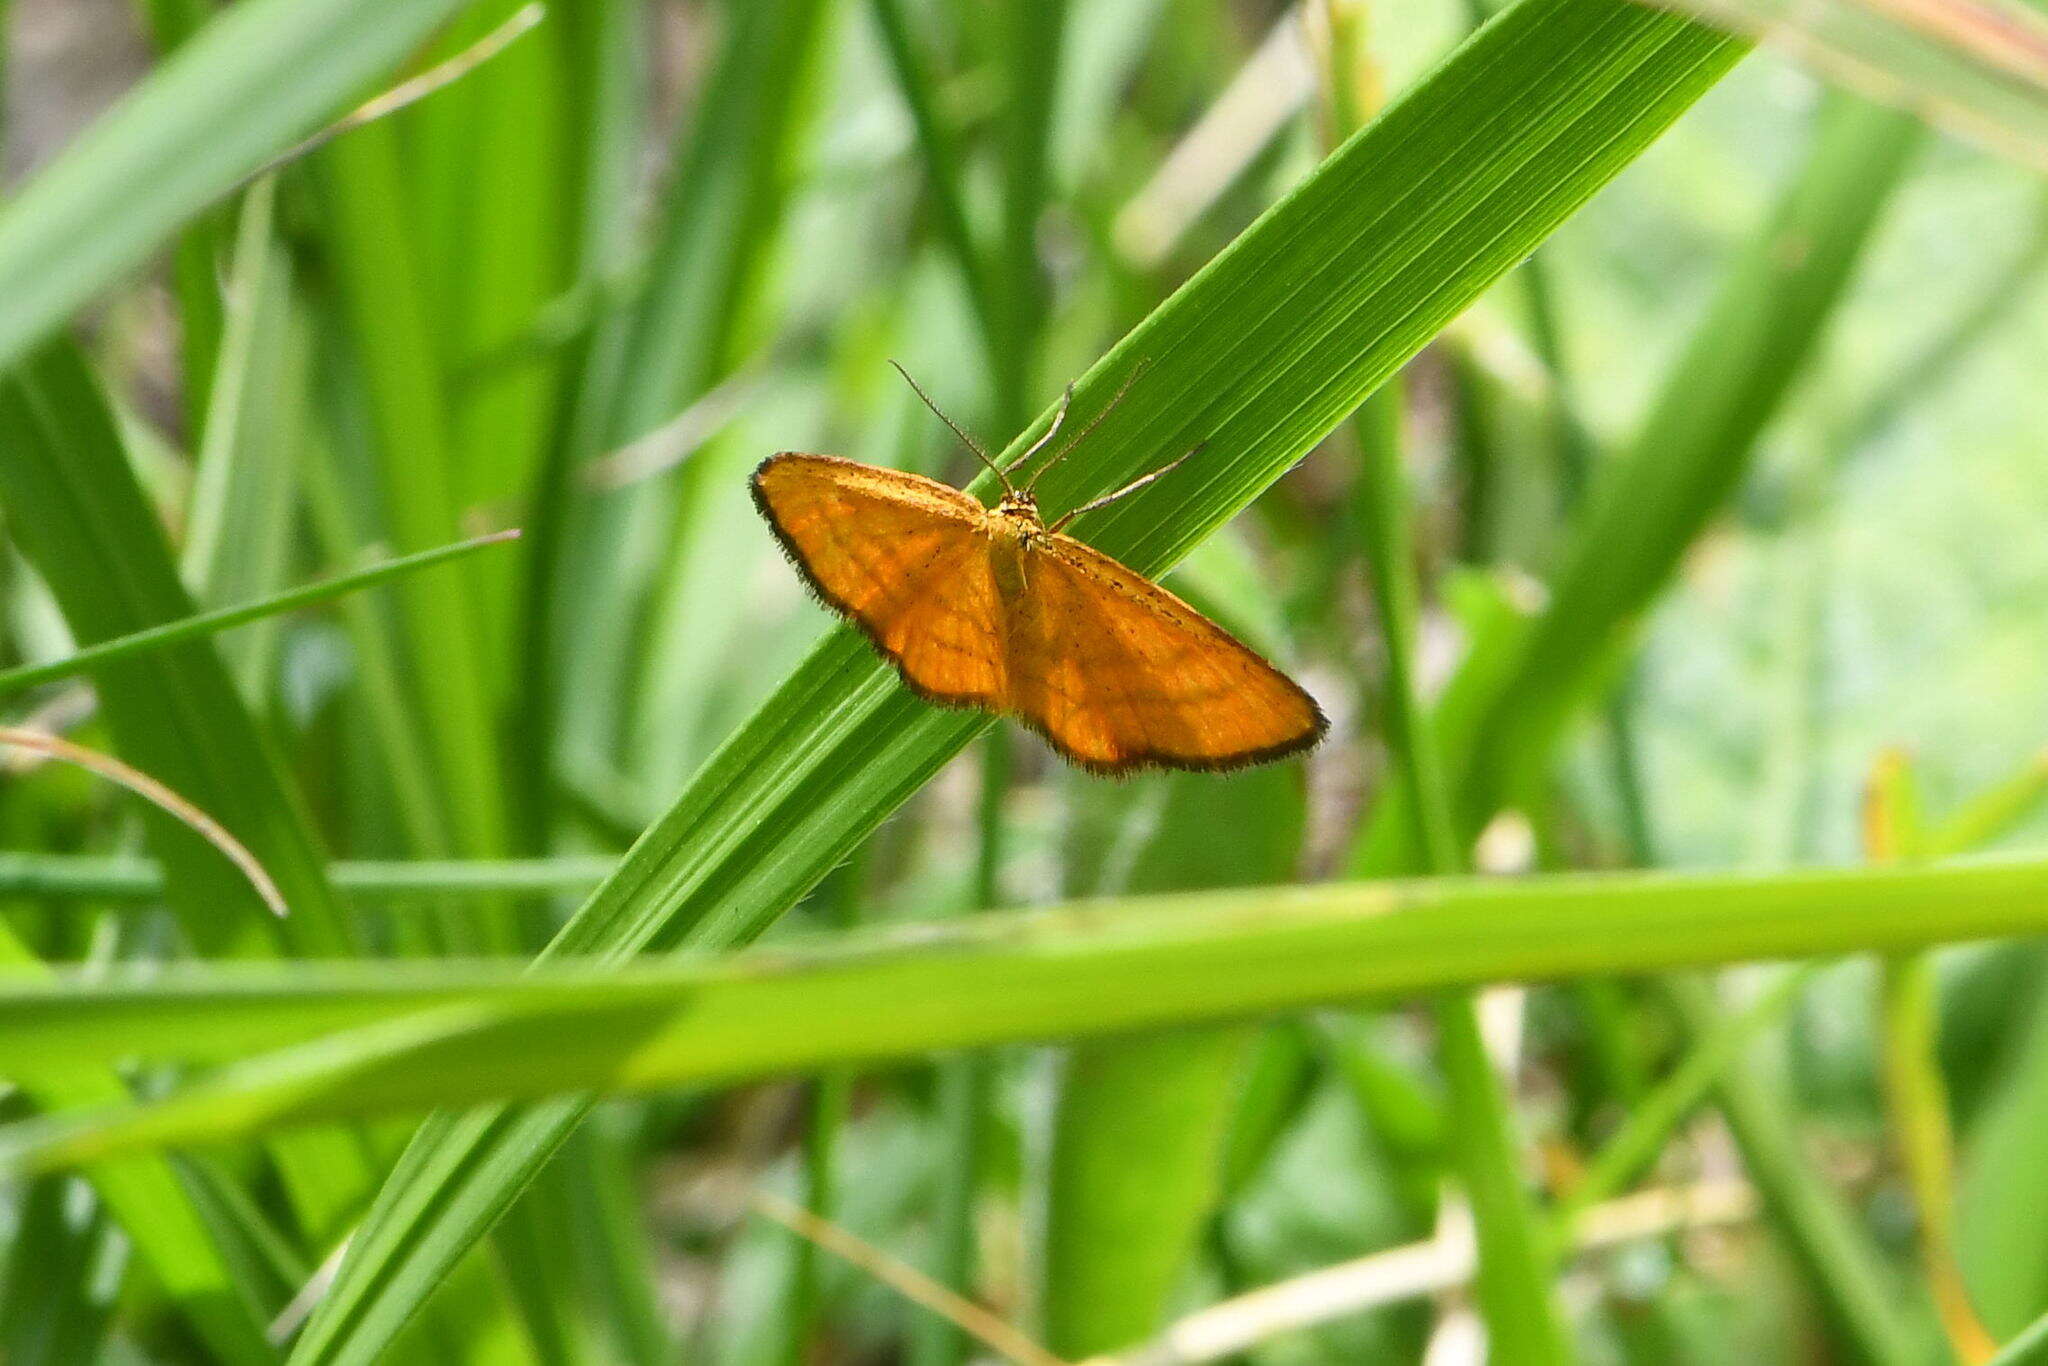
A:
1126,676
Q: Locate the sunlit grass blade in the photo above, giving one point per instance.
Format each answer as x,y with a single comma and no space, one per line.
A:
385,315
261,75
605,87
1262,353
227,618
317,1040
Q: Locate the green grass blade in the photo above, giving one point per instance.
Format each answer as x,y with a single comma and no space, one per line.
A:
921,95
227,618
53,1308
201,247
2030,1348
1513,1280
362,1038
709,276
76,511
1856,1294
1262,353
258,78
607,87
1629,1153
239,521
489,175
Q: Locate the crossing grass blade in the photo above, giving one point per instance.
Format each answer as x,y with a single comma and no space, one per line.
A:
317,1040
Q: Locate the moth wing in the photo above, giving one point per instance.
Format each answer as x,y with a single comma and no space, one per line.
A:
904,558
1118,674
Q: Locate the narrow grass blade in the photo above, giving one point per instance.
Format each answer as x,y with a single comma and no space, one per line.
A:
709,273
244,496
2030,1348
386,314
1856,1294
227,618
941,162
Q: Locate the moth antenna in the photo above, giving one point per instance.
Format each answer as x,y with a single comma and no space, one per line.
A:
1057,418
1106,499
1078,437
965,439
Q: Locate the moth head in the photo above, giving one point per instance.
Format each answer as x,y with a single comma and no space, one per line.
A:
1020,504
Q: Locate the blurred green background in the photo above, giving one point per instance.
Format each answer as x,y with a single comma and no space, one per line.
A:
1705,539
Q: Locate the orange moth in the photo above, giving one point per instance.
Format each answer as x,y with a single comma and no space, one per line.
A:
994,609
